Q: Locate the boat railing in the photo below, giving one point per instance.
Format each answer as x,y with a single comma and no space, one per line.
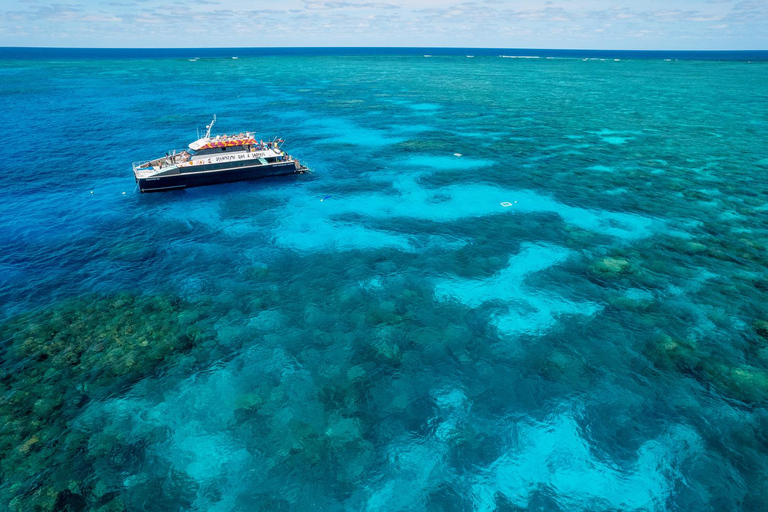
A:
142,163
165,160
173,156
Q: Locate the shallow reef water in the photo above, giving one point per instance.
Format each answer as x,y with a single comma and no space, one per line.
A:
507,284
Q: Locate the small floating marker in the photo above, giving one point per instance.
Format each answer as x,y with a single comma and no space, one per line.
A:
506,204
515,202
91,192
457,154
323,199
123,193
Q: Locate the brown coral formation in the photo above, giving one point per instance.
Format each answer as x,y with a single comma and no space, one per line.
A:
55,362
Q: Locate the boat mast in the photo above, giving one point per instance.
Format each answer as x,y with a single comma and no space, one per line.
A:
208,132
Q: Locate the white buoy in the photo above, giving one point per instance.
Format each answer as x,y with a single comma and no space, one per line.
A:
123,193
457,154
91,192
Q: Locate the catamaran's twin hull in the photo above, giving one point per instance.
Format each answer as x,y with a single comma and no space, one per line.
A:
212,177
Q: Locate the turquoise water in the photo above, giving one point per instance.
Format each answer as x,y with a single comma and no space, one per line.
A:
384,334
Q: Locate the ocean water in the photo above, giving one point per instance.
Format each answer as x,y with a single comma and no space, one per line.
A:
384,333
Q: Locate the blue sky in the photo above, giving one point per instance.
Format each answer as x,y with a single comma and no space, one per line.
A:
652,24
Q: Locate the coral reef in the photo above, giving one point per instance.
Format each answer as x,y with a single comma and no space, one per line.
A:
613,266
389,348
742,382
58,360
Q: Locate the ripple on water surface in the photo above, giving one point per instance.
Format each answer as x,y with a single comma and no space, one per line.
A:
486,296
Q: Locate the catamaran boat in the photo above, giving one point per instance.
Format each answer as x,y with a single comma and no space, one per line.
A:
219,159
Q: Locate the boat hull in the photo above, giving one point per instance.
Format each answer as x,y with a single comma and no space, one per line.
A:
213,177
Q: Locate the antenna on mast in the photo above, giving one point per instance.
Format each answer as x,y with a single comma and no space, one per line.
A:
208,128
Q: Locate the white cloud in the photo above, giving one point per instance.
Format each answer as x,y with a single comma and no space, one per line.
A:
490,23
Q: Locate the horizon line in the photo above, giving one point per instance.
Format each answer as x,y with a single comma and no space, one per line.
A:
362,47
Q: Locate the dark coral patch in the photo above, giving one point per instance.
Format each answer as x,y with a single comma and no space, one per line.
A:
58,360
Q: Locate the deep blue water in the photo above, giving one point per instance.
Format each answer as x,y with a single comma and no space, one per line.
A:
13,53
384,333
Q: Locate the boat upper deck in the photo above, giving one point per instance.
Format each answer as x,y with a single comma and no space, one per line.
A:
220,141
190,160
